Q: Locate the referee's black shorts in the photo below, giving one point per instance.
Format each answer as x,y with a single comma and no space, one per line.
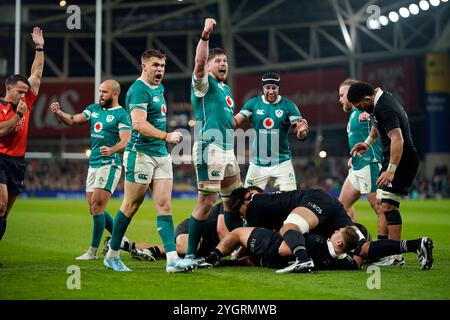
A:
405,173
12,173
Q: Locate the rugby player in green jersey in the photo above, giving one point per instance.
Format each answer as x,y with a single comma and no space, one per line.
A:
147,162
213,151
271,116
110,131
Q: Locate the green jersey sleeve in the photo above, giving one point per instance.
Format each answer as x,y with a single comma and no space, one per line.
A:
138,99
88,111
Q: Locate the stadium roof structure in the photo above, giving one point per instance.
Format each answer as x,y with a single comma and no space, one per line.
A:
257,35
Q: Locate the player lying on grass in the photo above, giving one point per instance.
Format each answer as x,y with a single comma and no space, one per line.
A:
300,212
267,248
214,230
295,213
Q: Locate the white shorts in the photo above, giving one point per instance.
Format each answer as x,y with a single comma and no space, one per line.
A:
283,174
142,168
365,180
213,163
106,177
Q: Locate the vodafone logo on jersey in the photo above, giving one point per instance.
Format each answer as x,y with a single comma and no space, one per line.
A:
268,123
98,126
229,101
163,109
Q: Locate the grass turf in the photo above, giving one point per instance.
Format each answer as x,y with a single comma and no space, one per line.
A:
44,237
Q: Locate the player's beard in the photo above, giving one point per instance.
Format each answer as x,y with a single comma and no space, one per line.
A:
106,103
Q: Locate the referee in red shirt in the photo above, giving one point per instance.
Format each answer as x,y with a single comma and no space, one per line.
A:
15,109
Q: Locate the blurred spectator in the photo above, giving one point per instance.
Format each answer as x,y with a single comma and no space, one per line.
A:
328,174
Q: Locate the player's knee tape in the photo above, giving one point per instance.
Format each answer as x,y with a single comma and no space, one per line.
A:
226,191
299,221
393,217
287,187
209,188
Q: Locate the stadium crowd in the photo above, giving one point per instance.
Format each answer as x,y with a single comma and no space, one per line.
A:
70,175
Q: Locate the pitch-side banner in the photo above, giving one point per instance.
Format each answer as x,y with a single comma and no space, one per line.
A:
73,98
316,92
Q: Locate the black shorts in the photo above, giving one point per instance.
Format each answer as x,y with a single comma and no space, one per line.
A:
12,173
207,243
263,244
404,175
322,204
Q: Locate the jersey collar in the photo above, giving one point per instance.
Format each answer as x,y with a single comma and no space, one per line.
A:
267,102
147,84
377,97
333,253
115,108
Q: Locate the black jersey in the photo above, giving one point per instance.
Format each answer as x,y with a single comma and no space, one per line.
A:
210,238
317,248
389,114
270,210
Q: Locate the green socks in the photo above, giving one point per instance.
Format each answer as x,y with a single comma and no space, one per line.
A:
97,230
164,224
196,228
121,223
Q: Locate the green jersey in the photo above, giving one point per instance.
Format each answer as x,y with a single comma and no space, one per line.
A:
358,131
271,122
213,108
150,99
105,125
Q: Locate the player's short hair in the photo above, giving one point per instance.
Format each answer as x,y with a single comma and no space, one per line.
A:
146,55
358,91
213,52
350,239
348,82
255,188
237,199
271,78
13,79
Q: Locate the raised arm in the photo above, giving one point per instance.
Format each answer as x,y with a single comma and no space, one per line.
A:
38,64
201,53
68,119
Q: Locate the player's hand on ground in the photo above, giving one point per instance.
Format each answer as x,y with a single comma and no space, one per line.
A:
174,137
359,149
385,179
55,107
38,37
364,117
105,151
210,23
22,107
